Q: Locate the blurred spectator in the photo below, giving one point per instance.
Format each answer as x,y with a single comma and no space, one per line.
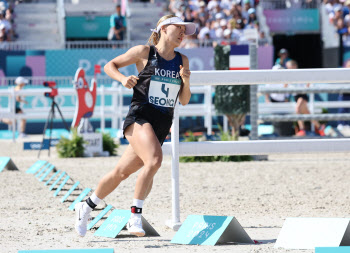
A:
178,7
277,97
338,13
237,32
302,106
251,16
227,37
6,28
204,31
188,15
203,13
20,83
246,7
283,58
2,32
189,42
344,97
220,30
117,25
213,4
262,41
3,6
214,17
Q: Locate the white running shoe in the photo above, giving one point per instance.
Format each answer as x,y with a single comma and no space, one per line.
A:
134,227
81,219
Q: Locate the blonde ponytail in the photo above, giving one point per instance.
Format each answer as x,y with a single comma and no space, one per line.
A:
155,37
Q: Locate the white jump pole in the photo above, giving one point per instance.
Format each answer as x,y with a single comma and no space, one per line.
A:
175,222
248,77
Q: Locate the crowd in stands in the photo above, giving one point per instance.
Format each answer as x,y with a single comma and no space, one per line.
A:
339,15
217,21
6,21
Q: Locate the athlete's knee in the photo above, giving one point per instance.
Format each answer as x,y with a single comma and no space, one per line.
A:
298,108
154,163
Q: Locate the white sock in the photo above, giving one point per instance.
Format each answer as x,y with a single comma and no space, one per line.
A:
138,203
96,200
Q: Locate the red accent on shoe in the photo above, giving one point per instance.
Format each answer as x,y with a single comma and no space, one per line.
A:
320,130
301,133
133,209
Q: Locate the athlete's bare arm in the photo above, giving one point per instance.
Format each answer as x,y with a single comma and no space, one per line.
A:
136,55
185,94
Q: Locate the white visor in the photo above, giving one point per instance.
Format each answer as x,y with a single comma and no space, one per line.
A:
190,27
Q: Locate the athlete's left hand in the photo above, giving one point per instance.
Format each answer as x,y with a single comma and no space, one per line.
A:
184,73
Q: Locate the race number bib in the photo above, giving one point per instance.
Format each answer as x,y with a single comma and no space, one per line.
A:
163,91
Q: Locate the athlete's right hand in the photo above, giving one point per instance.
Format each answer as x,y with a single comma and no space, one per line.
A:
130,81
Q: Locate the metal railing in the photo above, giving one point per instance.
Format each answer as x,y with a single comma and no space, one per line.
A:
116,110
61,21
290,4
35,45
60,80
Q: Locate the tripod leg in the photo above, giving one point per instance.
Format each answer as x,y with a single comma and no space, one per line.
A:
64,122
51,123
45,127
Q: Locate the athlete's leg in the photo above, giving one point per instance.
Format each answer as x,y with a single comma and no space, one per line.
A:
127,165
146,145
304,109
23,126
300,109
149,189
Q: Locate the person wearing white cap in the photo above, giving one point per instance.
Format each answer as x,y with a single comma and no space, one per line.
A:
163,80
20,83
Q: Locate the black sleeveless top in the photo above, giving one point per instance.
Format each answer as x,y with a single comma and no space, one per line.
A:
159,82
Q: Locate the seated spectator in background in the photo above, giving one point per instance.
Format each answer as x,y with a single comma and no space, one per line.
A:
344,97
20,83
213,4
336,15
5,24
178,7
277,97
3,6
262,41
205,30
117,25
227,37
188,15
219,33
283,58
2,33
251,17
189,42
203,13
237,32
246,7
302,106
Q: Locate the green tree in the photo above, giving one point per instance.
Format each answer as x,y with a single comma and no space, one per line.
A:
231,100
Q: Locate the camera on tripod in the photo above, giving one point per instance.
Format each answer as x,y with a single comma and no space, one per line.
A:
52,85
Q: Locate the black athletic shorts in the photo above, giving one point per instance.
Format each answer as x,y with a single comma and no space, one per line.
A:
18,110
141,114
304,96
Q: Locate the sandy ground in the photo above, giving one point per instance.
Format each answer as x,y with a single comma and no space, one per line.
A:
260,194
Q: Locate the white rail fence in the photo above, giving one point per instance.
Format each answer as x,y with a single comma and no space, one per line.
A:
249,77
117,111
